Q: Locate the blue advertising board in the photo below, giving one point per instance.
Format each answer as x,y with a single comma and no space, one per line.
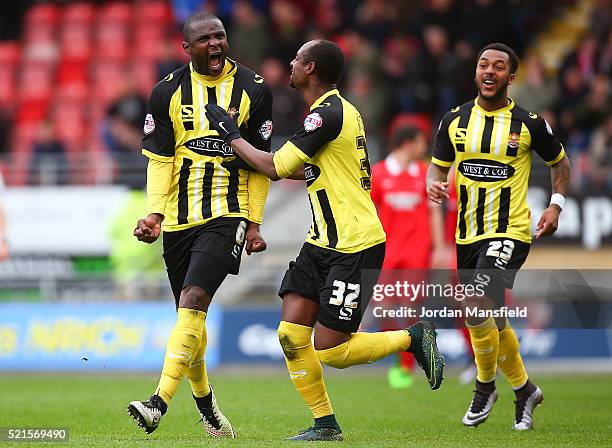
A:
74,336
133,336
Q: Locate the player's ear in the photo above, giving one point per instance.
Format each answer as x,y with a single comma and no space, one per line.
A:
511,79
310,68
186,48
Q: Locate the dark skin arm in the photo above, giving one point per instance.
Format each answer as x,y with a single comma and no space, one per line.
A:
148,229
560,174
437,183
298,174
260,160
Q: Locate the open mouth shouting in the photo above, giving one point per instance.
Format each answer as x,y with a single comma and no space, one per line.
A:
215,62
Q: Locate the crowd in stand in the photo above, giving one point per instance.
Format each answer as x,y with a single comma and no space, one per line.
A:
406,60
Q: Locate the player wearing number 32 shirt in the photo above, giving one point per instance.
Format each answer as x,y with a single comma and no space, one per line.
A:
322,290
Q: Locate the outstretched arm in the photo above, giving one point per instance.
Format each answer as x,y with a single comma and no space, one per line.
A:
560,174
260,160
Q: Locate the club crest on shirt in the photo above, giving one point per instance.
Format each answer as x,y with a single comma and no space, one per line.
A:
149,124
312,122
266,129
514,140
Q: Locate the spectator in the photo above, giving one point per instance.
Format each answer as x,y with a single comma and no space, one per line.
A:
123,133
288,29
538,91
248,34
600,154
49,165
375,19
170,60
288,107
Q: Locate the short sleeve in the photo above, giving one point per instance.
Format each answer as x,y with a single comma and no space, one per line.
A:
321,126
259,127
545,143
158,141
444,152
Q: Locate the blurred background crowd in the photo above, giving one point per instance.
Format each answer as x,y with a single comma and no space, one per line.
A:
75,75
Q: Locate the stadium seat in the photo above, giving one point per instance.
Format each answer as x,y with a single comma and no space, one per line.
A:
153,13
115,12
78,13
41,14
9,53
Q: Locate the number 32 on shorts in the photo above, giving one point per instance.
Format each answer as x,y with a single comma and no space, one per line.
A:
345,295
339,298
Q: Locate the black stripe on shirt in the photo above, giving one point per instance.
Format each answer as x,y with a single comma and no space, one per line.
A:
328,216
183,191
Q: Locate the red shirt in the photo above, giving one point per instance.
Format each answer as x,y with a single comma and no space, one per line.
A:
401,200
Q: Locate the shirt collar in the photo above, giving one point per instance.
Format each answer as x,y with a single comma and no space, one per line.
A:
506,108
319,100
228,70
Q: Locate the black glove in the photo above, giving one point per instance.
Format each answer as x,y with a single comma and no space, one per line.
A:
222,123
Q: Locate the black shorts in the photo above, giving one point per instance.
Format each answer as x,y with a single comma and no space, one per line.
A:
492,262
204,255
334,280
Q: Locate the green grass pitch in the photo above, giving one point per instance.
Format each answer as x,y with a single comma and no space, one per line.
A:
577,411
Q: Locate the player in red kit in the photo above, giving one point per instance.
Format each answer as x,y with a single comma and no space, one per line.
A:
414,228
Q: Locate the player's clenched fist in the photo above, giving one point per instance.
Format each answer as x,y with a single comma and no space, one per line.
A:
437,191
148,229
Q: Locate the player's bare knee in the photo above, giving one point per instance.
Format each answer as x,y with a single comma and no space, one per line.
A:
195,298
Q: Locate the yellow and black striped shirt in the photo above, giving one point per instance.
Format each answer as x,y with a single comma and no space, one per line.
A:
332,147
208,179
492,154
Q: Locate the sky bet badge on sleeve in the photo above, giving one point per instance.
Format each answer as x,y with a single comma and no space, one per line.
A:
266,129
312,122
149,124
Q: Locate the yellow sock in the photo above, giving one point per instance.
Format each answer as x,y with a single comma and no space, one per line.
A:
485,342
183,345
198,378
304,367
509,359
365,348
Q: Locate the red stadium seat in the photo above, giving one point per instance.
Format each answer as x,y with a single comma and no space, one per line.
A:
9,53
80,13
115,12
153,13
46,13
7,91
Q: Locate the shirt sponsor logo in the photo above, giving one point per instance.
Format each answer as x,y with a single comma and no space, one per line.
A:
311,173
482,170
460,135
266,129
312,122
149,124
208,146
